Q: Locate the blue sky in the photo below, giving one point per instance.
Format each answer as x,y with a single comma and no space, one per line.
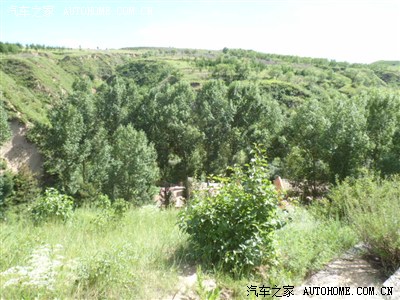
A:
345,30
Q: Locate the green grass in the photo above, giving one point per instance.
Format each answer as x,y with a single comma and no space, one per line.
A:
372,207
309,242
142,255
32,82
134,259
21,101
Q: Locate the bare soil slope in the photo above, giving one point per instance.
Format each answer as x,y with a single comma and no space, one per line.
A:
19,151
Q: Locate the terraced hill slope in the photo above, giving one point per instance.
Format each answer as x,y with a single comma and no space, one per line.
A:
32,81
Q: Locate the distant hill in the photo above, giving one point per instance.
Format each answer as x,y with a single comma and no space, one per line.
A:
393,63
32,81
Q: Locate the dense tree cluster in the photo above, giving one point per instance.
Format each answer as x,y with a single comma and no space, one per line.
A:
10,47
18,47
320,121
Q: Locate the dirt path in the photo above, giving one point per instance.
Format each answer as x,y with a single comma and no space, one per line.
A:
19,151
350,270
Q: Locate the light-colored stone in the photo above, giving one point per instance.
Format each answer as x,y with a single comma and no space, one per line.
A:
281,185
179,202
186,289
393,282
350,270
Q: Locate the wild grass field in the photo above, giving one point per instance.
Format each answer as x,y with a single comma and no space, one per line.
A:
141,256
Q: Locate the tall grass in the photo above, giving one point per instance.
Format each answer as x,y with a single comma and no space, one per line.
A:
372,206
141,256
308,243
130,259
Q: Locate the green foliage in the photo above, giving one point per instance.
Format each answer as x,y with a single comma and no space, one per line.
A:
93,270
257,119
10,47
5,132
78,147
109,211
372,206
383,119
348,141
66,146
309,137
324,120
115,101
148,72
215,114
52,206
97,167
307,243
137,257
134,167
166,116
6,188
25,190
235,228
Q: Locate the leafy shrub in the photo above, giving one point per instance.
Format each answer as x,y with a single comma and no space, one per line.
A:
235,228
93,270
25,191
52,206
6,187
147,72
110,211
372,206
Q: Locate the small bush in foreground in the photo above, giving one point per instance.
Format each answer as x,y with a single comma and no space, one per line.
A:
52,206
110,211
372,206
235,228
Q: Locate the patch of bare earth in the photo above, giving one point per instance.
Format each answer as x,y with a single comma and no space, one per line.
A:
187,285
351,270
19,151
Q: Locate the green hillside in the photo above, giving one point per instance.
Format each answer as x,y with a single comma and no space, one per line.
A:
32,81
114,126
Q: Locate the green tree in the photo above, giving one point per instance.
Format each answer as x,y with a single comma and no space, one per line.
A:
134,168
215,113
112,103
347,136
99,160
6,188
258,118
66,147
309,138
225,72
166,115
383,118
26,187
